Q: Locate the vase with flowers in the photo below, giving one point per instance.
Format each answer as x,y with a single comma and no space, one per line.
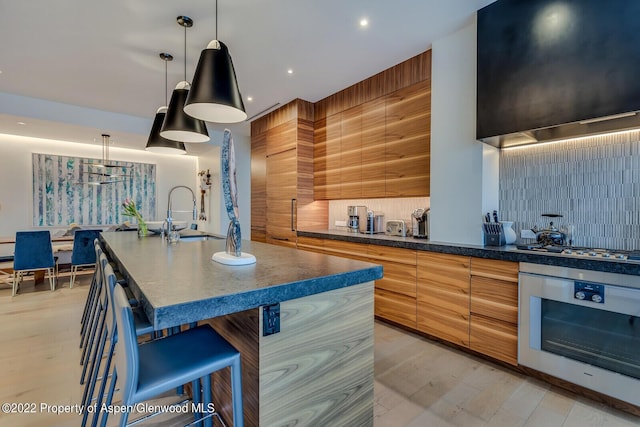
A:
129,209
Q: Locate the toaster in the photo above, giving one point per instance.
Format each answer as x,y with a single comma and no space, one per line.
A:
396,227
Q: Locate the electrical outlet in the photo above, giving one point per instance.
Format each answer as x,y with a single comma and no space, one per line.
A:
339,223
270,319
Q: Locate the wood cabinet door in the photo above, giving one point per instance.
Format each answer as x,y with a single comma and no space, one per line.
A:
443,296
373,148
282,137
351,154
494,338
281,198
395,307
494,309
408,141
326,157
258,186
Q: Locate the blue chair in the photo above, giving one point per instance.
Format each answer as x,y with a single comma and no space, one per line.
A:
147,370
83,254
108,333
33,252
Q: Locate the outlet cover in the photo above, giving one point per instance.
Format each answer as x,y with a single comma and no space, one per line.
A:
340,223
270,319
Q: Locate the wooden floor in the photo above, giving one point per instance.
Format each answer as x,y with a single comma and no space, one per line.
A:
418,382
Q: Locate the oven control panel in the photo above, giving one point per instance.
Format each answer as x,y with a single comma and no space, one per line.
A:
588,292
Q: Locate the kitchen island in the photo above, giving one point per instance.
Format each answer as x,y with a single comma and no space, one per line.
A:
317,370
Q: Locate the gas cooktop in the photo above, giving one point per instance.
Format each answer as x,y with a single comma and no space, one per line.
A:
580,252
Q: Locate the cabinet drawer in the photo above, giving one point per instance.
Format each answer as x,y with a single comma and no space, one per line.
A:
346,249
494,298
399,278
395,307
494,338
495,269
397,255
449,325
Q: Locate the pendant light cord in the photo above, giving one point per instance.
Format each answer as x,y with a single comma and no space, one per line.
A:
185,53
216,19
166,86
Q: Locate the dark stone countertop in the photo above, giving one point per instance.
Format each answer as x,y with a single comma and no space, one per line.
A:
179,283
507,253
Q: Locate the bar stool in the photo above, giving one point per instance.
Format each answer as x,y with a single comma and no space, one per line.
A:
91,296
147,370
142,327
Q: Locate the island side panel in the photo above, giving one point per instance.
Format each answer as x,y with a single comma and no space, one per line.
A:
242,331
318,370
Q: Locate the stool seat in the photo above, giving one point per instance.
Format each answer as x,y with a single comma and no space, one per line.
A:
144,371
177,359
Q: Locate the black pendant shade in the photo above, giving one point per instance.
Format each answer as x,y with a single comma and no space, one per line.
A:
158,144
179,126
214,95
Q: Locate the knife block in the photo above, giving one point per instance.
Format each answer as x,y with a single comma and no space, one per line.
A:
494,234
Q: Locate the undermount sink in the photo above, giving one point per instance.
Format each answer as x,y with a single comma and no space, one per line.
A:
199,238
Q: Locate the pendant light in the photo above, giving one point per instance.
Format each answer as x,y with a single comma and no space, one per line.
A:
179,126
156,143
214,94
106,171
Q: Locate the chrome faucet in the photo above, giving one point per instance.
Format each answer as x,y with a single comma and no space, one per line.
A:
169,219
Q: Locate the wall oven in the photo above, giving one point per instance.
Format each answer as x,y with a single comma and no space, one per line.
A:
582,326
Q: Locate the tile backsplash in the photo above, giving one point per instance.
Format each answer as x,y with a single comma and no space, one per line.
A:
400,208
593,182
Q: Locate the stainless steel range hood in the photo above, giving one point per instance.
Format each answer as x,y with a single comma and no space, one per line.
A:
590,127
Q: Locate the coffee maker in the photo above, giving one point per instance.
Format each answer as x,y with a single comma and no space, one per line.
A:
420,223
357,218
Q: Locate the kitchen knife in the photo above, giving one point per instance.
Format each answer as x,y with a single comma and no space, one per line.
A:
495,216
487,217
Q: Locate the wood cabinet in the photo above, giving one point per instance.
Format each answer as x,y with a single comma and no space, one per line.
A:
282,196
382,146
443,296
326,157
282,175
408,142
469,301
373,148
259,187
494,309
351,184
395,293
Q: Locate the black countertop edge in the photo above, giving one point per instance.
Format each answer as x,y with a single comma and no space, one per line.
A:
505,253
227,304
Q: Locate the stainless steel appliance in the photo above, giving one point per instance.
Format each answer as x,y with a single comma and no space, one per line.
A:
582,326
420,223
581,252
396,227
551,235
357,218
378,223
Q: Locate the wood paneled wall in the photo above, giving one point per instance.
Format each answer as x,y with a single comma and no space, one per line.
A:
407,73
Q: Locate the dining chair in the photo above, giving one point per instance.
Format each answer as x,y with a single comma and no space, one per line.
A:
83,254
33,252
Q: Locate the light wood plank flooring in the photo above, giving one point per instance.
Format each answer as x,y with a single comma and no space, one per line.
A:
418,382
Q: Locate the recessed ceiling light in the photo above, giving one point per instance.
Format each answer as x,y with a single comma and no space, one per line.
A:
21,123
364,22
249,98
290,71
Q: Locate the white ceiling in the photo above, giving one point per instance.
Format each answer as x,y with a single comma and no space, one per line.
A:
93,66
